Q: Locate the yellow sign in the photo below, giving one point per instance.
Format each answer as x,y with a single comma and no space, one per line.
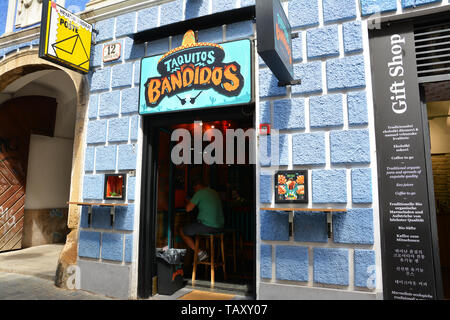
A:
65,38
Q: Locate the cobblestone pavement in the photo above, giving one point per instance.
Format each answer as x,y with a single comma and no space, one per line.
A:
15,286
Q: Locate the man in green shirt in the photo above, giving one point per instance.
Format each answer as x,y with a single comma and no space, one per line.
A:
210,215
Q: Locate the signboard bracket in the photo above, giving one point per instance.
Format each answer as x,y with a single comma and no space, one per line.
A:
290,83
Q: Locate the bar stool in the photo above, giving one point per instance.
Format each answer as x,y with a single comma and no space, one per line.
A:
211,237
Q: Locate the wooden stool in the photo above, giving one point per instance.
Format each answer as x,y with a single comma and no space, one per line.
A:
212,263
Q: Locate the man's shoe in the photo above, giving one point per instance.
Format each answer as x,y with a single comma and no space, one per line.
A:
202,255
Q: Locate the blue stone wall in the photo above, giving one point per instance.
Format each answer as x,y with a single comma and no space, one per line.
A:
3,16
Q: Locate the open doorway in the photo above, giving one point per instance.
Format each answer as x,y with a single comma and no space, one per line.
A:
233,180
437,96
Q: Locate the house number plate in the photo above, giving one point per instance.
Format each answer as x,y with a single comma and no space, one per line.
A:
111,52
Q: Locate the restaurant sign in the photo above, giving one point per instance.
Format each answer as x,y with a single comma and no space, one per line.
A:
275,40
65,39
196,75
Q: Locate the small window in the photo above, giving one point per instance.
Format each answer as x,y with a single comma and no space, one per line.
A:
115,186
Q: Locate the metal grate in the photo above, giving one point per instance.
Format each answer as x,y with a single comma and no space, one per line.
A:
432,44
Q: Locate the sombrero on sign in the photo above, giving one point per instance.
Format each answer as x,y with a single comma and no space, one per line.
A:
191,52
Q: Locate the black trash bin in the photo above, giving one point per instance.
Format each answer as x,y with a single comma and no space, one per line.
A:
170,270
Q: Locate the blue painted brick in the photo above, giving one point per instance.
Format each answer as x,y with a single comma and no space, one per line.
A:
84,219
336,10
171,12
355,226
274,226
134,130
101,217
125,24
291,263
238,30
246,3
158,46
147,19
127,157
352,34
369,7
210,35
132,51
96,55
24,45
105,29
112,246
265,150
357,108
297,49
284,150
303,13
122,75
266,261
265,188
131,188
118,129
362,186
196,8
105,158
11,49
89,244
365,268
124,218
264,112
109,104
350,146
89,159
128,247
101,79
329,186
310,227
346,73
289,114
268,85
322,42
308,148
93,106
326,111
34,43
130,100
93,187
137,72
96,131
415,3
331,266
223,5
311,75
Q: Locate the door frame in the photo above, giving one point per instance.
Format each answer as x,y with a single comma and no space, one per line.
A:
147,230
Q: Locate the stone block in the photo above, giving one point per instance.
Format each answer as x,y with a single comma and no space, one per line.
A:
362,185
147,18
350,146
265,188
105,158
346,73
274,226
118,129
93,106
268,85
310,227
329,186
355,226
365,268
89,244
337,10
322,42
128,247
297,48
112,246
291,263
196,8
357,108
134,130
289,114
122,75
266,261
303,13
101,217
130,100
311,75
127,157
105,30
331,266
124,218
125,24
239,30
89,159
264,112
96,131
308,148
101,79
171,12
132,51
369,7
131,188
109,103
352,34
326,111
93,187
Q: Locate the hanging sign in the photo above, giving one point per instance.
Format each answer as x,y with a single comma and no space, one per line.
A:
196,75
275,40
291,186
65,38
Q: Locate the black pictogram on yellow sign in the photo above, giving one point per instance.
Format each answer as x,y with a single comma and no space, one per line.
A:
65,38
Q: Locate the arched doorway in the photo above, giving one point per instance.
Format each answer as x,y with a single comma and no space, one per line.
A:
44,106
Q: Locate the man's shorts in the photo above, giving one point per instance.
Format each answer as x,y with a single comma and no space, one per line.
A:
199,228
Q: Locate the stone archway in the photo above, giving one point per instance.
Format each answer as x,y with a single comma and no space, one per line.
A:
23,63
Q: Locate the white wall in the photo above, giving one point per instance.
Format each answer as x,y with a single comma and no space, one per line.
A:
49,171
439,127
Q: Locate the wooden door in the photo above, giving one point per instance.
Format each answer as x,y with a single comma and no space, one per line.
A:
19,118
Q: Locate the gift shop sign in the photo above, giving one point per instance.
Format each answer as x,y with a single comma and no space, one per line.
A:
196,75
411,268
65,39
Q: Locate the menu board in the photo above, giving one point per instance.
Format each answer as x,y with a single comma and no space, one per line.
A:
291,186
408,229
